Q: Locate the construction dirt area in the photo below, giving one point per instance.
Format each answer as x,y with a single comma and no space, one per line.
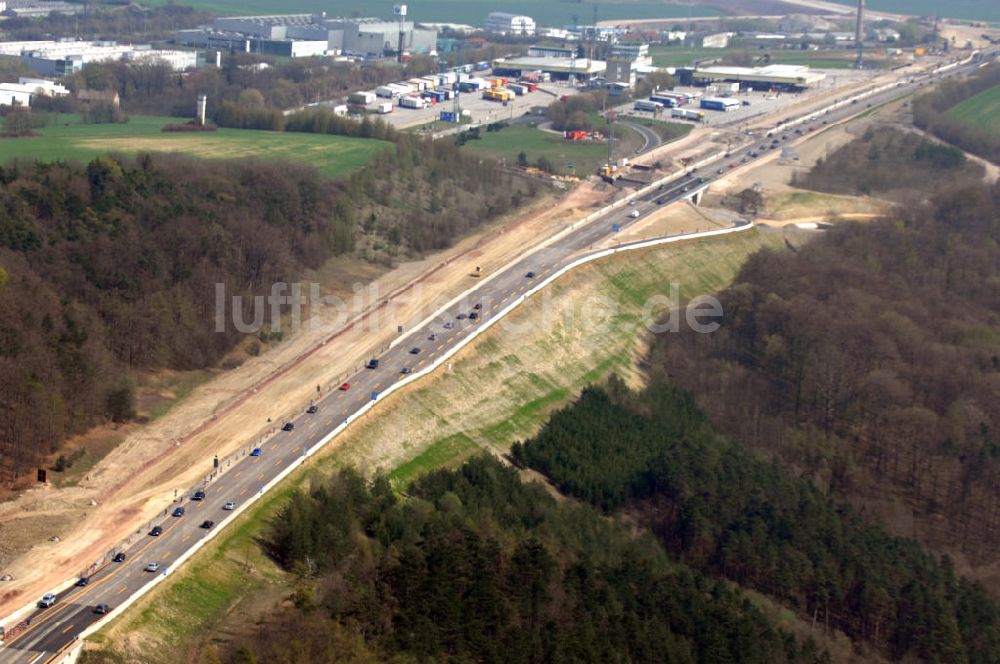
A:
49,535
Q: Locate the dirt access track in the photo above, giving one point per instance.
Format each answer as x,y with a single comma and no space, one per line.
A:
138,479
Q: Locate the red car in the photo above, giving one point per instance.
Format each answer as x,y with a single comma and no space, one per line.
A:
345,387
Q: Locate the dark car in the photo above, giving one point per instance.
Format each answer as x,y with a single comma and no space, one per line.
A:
102,609
82,581
473,315
530,275
372,364
463,315
156,531
414,351
288,426
661,201
404,370
198,495
119,557
432,337
207,524
477,307
179,511
255,452
312,410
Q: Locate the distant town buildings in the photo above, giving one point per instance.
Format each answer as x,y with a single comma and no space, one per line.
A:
300,35
33,8
502,23
59,58
636,53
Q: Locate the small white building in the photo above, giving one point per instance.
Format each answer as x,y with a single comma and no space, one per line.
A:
503,23
718,40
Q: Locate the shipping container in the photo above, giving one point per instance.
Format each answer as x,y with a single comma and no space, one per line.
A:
448,116
531,85
402,87
383,107
412,102
386,92
519,90
362,98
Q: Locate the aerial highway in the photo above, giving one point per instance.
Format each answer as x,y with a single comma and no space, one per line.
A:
49,631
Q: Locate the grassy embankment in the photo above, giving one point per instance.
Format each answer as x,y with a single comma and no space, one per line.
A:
68,139
587,156
982,109
585,326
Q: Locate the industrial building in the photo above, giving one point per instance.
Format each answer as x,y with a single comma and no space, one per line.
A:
298,35
635,52
542,51
37,8
582,69
59,58
26,89
502,23
718,40
787,77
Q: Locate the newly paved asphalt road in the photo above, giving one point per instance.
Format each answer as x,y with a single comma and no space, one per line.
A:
53,628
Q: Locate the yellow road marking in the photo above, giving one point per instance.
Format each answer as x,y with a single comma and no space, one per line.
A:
243,491
68,627
239,473
186,537
122,589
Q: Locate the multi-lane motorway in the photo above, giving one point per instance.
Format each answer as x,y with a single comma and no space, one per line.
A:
50,630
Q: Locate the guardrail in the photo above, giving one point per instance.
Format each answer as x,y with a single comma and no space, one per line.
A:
480,329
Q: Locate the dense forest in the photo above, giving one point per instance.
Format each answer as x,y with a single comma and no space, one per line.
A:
869,359
930,113
724,511
112,266
476,566
894,164
155,89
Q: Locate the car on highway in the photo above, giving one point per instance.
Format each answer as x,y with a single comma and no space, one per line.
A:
156,531
256,452
372,364
312,410
531,275
477,306
179,511
152,567
462,316
47,600
344,387
415,350
288,426
102,609
432,337
206,524
404,370
82,581
632,202
198,495
746,102
230,505
634,214
720,171
119,557
733,165
473,315
449,325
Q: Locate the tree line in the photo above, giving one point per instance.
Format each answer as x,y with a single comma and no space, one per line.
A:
930,112
476,566
111,267
726,512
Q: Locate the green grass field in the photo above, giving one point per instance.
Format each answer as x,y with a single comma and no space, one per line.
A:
983,10
586,155
472,12
67,139
983,109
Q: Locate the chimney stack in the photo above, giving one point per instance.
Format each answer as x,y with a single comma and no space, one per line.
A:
202,102
859,34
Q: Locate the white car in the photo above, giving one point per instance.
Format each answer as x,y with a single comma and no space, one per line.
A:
152,567
230,505
47,600
634,214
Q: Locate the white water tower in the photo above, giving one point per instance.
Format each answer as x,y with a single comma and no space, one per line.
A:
202,103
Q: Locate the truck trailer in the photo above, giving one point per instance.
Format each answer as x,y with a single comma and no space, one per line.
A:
687,114
720,104
652,106
361,98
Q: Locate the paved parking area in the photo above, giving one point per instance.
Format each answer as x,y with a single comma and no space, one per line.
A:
763,103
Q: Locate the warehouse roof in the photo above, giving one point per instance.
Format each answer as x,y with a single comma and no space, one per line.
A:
791,74
560,65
